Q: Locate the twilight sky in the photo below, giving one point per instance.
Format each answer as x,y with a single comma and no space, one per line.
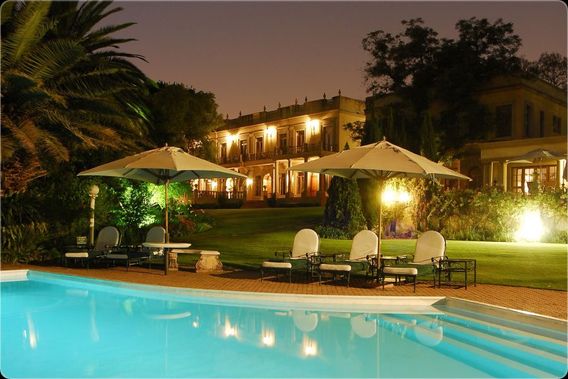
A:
255,54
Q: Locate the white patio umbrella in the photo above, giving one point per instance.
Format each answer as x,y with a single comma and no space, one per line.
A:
380,161
162,166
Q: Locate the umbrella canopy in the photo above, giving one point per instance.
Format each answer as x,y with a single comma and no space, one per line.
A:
379,161
539,155
162,166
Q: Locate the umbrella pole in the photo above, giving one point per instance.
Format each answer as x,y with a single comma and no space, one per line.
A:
166,210
166,258
379,234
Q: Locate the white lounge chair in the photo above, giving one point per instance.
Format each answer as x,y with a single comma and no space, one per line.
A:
363,248
107,239
430,250
306,245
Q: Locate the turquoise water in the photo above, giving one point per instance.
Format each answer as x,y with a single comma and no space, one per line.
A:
53,326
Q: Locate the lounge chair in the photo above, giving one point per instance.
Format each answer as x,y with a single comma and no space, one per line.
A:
138,254
306,245
430,250
363,249
107,239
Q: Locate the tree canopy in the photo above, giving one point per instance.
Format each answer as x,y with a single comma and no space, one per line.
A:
422,69
65,85
182,116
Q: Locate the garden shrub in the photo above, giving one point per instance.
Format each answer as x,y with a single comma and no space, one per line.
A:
343,207
332,233
489,214
22,229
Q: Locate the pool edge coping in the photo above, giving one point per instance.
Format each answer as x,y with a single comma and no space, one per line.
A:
339,300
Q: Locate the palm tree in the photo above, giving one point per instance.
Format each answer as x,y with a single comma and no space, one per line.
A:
65,86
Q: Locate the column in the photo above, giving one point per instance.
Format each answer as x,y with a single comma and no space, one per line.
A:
306,182
289,182
505,164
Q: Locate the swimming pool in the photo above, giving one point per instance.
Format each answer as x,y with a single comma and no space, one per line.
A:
63,326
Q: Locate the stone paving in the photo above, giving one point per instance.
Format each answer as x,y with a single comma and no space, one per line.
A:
546,302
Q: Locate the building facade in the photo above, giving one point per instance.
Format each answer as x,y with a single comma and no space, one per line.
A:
527,147
265,144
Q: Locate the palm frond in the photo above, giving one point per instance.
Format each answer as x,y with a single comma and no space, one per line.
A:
28,30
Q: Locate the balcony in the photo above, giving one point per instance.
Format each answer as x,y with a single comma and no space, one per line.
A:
281,153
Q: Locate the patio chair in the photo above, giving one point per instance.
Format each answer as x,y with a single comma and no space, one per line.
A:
363,248
306,245
133,255
107,239
429,252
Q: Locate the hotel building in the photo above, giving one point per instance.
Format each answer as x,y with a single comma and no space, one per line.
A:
263,145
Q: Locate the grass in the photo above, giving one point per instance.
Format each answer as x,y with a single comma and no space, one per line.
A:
246,237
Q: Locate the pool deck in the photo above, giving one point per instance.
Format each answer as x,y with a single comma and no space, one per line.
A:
545,302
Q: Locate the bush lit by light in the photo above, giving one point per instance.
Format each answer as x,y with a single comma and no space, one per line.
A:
531,227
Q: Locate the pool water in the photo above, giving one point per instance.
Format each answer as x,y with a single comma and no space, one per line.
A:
56,326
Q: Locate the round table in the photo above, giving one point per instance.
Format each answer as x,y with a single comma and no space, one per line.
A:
167,246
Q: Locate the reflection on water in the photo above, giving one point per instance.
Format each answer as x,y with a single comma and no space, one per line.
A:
167,338
30,334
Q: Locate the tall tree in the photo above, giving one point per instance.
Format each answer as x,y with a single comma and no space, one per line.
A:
550,67
182,116
420,69
399,60
64,86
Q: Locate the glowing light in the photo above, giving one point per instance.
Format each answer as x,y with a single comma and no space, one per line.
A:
268,338
232,138
309,347
230,185
531,227
195,324
271,131
214,185
393,195
230,331
249,181
313,125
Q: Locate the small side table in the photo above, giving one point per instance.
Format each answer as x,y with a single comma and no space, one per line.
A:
448,267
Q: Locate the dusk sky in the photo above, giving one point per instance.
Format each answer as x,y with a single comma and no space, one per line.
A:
255,54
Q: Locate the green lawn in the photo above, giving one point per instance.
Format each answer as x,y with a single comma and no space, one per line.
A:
246,237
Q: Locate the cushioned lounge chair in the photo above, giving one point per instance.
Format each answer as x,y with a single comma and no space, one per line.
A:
306,245
363,248
107,239
430,250
138,254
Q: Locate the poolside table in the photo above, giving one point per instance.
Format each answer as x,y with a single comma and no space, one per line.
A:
168,246
451,266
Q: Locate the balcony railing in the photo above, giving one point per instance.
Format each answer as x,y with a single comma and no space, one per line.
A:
232,195
280,153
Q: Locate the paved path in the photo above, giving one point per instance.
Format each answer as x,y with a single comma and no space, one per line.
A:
545,302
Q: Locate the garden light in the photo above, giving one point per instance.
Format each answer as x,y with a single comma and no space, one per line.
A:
531,227
93,193
393,195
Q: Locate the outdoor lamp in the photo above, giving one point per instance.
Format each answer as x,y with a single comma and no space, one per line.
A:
93,193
